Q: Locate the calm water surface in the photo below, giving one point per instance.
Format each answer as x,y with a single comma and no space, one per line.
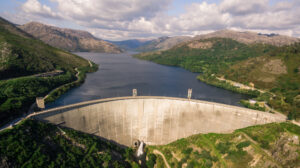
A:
118,74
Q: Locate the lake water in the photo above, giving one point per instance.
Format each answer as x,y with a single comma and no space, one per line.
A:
118,74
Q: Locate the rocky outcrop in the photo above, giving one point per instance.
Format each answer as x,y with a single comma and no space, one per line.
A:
69,39
251,37
164,43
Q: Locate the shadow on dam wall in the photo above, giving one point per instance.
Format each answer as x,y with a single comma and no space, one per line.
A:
154,120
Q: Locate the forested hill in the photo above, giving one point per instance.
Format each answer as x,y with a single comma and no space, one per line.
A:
21,54
268,67
21,57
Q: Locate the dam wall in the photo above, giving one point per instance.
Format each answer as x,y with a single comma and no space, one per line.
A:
154,120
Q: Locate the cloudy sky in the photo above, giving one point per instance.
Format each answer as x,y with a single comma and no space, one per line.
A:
128,19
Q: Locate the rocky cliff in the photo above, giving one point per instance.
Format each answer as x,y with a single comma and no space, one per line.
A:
69,39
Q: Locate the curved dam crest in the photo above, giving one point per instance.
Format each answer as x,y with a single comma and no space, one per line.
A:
154,120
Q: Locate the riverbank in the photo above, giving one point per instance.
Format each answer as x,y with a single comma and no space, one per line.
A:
14,111
81,74
261,98
213,80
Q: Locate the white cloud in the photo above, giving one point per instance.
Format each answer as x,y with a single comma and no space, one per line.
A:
281,16
201,16
243,7
123,19
36,8
111,10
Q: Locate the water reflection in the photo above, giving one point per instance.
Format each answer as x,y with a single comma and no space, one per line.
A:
118,74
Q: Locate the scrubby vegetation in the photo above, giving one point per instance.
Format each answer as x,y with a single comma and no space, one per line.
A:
209,79
275,69
36,144
17,95
64,88
21,55
271,145
222,54
252,106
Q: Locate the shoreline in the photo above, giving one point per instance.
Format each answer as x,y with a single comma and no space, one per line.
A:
81,75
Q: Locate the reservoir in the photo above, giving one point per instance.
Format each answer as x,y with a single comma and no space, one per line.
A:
118,74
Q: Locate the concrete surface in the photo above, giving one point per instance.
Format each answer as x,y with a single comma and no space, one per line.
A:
153,120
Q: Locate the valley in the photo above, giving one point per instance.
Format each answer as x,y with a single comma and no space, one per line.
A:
158,126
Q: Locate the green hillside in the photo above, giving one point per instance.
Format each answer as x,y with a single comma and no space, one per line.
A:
271,145
278,72
219,55
22,56
37,144
275,69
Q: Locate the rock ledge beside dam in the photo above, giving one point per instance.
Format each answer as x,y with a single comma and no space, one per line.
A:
154,120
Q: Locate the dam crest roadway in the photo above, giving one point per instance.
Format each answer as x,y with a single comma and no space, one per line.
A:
154,120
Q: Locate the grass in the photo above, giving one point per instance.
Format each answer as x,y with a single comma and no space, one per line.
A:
235,149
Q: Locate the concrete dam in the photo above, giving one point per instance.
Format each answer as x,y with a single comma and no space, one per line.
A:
154,120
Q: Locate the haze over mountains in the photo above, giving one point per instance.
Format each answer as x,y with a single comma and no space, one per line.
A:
157,44
251,37
78,40
69,39
132,44
165,43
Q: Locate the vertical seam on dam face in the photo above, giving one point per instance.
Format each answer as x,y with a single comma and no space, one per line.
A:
154,120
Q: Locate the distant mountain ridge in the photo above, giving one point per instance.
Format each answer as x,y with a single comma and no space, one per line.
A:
131,44
145,45
250,37
163,43
69,39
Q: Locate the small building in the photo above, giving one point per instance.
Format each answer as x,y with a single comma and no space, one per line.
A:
252,101
238,85
40,102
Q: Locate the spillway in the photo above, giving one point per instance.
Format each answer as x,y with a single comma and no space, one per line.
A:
154,120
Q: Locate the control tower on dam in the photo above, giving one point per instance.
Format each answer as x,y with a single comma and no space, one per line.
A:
154,120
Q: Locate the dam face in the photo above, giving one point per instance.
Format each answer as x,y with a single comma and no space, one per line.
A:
154,120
